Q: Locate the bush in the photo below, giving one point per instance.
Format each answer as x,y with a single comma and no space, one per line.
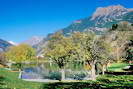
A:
55,76
16,66
78,76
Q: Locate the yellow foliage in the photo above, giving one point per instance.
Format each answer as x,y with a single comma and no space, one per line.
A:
87,67
20,53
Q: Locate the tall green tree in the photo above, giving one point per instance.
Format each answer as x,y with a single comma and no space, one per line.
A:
59,50
85,45
91,49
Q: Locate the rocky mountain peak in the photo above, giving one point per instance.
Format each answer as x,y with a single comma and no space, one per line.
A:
115,10
33,40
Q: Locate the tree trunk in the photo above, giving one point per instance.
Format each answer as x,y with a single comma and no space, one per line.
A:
103,69
20,74
62,74
107,66
50,63
118,57
93,70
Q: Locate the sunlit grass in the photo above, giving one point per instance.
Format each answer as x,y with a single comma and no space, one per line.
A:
11,80
117,67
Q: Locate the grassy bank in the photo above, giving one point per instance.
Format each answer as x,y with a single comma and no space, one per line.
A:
117,67
9,80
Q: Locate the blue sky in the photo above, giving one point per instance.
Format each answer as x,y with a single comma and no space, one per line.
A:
22,19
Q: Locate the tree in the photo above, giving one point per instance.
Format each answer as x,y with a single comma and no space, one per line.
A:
2,58
91,49
114,27
106,50
20,54
129,54
129,50
132,24
104,53
119,38
59,49
85,50
99,53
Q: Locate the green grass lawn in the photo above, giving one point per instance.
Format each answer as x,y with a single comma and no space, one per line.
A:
110,81
9,80
117,67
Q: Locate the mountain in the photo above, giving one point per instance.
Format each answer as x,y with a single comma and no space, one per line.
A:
13,43
103,17
33,40
4,45
101,20
40,46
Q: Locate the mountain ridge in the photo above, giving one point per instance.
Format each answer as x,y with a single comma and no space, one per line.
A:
33,40
4,45
103,17
98,22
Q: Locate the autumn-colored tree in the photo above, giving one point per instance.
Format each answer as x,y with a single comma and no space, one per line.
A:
21,53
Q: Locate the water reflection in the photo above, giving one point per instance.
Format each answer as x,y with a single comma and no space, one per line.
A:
50,71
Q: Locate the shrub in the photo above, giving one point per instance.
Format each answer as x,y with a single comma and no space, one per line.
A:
55,76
